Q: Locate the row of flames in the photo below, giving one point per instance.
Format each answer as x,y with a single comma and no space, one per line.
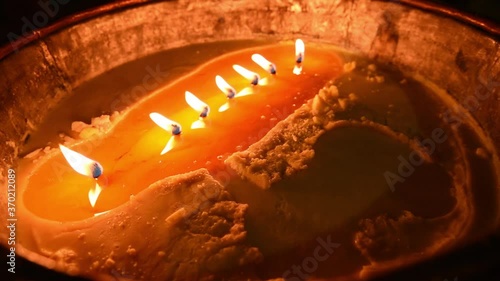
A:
91,168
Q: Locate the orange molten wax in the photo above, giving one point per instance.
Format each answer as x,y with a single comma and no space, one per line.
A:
130,153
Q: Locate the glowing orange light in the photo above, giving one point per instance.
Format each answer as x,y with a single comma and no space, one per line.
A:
168,125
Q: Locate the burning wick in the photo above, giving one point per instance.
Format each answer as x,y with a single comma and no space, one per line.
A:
250,75
166,124
230,92
299,51
200,107
84,166
264,63
169,126
227,89
299,56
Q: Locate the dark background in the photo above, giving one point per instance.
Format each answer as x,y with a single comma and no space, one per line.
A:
12,12
476,262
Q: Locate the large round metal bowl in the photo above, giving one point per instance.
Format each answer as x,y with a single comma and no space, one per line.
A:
458,53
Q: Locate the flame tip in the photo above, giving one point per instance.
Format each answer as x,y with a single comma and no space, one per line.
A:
299,47
169,146
94,194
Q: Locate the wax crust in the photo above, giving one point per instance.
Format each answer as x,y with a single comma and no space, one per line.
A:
288,147
198,234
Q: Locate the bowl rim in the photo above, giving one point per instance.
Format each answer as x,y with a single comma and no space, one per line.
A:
482,24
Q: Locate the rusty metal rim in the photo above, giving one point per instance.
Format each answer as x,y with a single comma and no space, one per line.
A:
482,24
67,21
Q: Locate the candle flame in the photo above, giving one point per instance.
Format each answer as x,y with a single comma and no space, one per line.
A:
229,91
299,51
245,92
250,75
169,146
224,107
197,104
264,63
297,70
198,124
165,123
94,194
81,164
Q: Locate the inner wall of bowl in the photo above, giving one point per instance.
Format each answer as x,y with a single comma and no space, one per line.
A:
460,59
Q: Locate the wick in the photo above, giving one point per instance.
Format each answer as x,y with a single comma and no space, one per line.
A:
255,80
272,69
299,58
230,93
176,129
204,113
97,170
